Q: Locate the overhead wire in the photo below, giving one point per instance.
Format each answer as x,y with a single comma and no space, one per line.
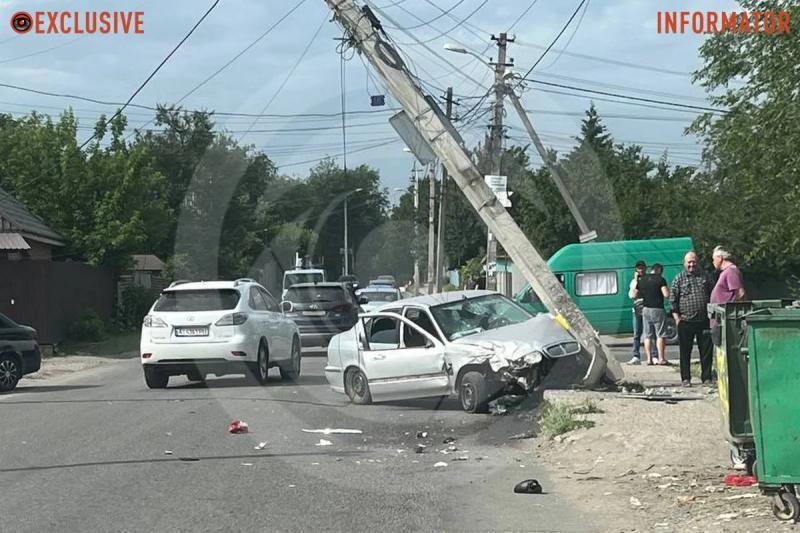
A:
423,22
153,73
40,52
554,41
571,37
447,32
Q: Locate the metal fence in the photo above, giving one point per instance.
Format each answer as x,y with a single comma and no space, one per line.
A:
50,295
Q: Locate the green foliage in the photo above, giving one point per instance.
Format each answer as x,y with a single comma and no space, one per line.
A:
134,305
558,418
88,327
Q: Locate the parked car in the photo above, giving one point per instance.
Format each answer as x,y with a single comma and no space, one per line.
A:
472,345
19,353
376,296
381,283
321,310
597,275
388,278
217,327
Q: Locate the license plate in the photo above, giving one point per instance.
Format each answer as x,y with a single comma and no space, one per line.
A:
313,313
191,332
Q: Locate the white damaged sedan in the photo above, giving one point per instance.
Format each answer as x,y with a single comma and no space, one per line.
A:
472,345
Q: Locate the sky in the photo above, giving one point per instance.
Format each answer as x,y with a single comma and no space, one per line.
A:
611,46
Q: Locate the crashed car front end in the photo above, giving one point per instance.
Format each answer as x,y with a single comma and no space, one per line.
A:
513,365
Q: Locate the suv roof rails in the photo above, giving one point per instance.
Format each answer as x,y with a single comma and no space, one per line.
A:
244,280
178,282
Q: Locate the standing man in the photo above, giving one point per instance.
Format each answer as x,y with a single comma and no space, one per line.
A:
653,289
690,295
636,310
729,286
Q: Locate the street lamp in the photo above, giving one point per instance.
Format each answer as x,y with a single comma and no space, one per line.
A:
460,50
346,244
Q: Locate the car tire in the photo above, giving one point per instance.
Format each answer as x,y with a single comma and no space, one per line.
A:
473,393
260,369
155,379
10,372
293,373
671,336
356,386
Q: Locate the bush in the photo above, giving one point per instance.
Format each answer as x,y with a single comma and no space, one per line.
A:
135,304
89,327
558,418
449,288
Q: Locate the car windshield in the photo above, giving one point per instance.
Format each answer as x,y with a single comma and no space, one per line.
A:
315,294
197,300
474,315
379,296
307,277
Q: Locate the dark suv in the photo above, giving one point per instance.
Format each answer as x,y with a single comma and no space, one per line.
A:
19,353
321,310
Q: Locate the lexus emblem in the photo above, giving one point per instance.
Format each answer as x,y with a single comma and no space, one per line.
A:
313,307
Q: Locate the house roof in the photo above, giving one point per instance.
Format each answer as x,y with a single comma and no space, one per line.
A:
25,222
147,262
13,241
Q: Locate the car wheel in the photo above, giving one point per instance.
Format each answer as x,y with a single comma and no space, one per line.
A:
671,334
155,379
474,393
10,372
357,387
293,373
261,368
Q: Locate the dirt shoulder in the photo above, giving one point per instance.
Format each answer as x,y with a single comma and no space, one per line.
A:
653,466
78,356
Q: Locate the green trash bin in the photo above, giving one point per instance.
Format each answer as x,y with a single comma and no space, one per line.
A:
728,333
773,352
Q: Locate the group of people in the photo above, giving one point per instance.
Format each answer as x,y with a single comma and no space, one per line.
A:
689,295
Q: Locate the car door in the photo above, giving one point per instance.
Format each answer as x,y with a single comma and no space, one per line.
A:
261,323
283,327
396,371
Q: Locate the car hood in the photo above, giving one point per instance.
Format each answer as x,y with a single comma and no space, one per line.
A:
527,341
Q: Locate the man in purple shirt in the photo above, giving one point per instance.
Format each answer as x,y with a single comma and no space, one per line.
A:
729,287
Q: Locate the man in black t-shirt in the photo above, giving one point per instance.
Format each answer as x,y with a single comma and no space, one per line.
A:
652,288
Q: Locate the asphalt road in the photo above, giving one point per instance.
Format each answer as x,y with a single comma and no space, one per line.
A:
88,452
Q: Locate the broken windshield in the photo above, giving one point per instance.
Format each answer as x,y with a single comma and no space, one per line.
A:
474,315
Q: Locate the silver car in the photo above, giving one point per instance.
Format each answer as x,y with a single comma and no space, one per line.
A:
472,345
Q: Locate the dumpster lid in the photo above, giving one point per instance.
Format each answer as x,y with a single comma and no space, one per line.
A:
775,314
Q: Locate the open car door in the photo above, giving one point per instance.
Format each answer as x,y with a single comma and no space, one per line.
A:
396,371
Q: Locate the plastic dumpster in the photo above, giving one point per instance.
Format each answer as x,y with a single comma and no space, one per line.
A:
773,351
729,336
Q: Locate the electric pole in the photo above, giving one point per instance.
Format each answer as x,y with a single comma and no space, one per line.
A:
448,100
415,183
555,170
495,148
431,228
365,32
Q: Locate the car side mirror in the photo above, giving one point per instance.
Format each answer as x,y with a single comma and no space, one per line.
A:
286,306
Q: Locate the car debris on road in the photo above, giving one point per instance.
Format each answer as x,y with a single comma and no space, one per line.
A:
323,442
238,426
329,431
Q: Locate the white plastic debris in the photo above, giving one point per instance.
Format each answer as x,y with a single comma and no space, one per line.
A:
247,464
635,502
742,496
167,452
728,516
323,442
440,464
261,445
329,431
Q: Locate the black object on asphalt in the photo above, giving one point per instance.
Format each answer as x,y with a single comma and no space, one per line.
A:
529,486
448,440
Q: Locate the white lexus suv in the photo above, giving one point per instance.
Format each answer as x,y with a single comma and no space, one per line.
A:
217,327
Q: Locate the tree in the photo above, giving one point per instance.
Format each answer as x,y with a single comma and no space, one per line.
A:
752,147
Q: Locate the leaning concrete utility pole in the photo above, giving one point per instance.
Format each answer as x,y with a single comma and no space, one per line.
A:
365,32
555,171
495,148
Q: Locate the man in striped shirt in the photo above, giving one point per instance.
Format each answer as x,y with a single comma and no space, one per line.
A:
689,297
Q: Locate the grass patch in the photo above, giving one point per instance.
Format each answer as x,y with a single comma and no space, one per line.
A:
558,418
112,345
588,406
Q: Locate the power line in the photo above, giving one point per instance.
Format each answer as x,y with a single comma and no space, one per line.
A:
521,16
40,52
571,37
447,32
434,27
145,82
601,99
342,88
240,53
427,23
372,147
618,87
625,97
553,43
290,73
